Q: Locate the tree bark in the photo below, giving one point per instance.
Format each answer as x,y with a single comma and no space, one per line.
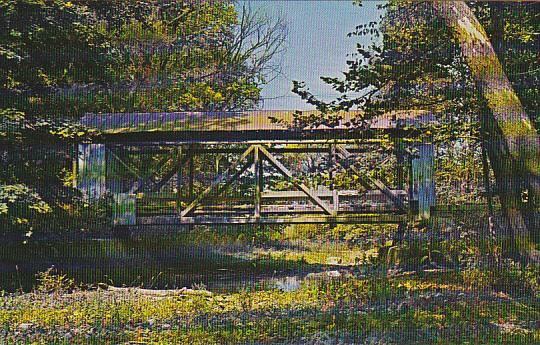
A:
512,141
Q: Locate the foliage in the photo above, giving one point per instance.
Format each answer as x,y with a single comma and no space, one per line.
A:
45,46
60,59
407,68
512,29
363,235
16,128
133,56
50,281
511,279
19,206
415,63
34,181
349,309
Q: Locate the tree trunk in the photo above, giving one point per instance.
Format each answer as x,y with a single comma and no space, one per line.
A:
512,141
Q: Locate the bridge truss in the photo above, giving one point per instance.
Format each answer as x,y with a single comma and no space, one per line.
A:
250,175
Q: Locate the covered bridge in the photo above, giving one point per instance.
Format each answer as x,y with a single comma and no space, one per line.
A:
250,149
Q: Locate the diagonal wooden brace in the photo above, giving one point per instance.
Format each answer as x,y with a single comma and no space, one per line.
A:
130,168
169,174
225,177
281,168
367,181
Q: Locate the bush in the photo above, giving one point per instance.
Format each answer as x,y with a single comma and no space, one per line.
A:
366,235
510,277
51,281
305,231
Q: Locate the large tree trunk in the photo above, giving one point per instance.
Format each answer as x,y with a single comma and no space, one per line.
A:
512,141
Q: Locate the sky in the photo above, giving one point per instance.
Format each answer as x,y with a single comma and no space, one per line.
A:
317,45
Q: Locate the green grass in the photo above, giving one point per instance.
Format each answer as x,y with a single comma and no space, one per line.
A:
411,309
486,303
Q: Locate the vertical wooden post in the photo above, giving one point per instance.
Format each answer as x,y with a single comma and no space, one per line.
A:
335,197
123,208
179,178
191,173
190,183
422,170
261,174
91,171
423,179
400,162
258,179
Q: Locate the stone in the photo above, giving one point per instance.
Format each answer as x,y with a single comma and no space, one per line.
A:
287,284
25,326
333,260
323,275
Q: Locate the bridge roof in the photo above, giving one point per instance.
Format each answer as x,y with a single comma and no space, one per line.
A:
240,125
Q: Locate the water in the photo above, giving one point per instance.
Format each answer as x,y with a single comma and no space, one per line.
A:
287,284
149,262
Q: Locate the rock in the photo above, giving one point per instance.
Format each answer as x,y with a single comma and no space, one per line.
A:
403,306
25,326
187,291
161,293
324,275
333,260
287,284
333,274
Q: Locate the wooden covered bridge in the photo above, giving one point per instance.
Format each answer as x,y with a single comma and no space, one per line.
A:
249,167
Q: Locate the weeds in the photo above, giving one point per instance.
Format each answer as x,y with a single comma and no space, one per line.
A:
50,281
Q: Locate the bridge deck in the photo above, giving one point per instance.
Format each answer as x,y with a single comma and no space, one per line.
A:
254,144
269,126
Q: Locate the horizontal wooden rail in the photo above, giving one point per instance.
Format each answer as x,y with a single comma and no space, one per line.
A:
281,219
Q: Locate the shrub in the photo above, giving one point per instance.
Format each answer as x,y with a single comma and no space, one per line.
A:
51,281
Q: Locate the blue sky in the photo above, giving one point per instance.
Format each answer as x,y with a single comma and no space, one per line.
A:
317,45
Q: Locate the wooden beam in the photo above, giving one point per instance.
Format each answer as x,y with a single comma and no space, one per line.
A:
179,178
242,137
222,178
258,173
399,150
227,183
295,209
131,169
344,154
191,173
335,196
312,148
306,219
168,175
282,195
281,168
271,141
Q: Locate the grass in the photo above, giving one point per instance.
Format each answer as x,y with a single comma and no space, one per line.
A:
469,303
409,309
